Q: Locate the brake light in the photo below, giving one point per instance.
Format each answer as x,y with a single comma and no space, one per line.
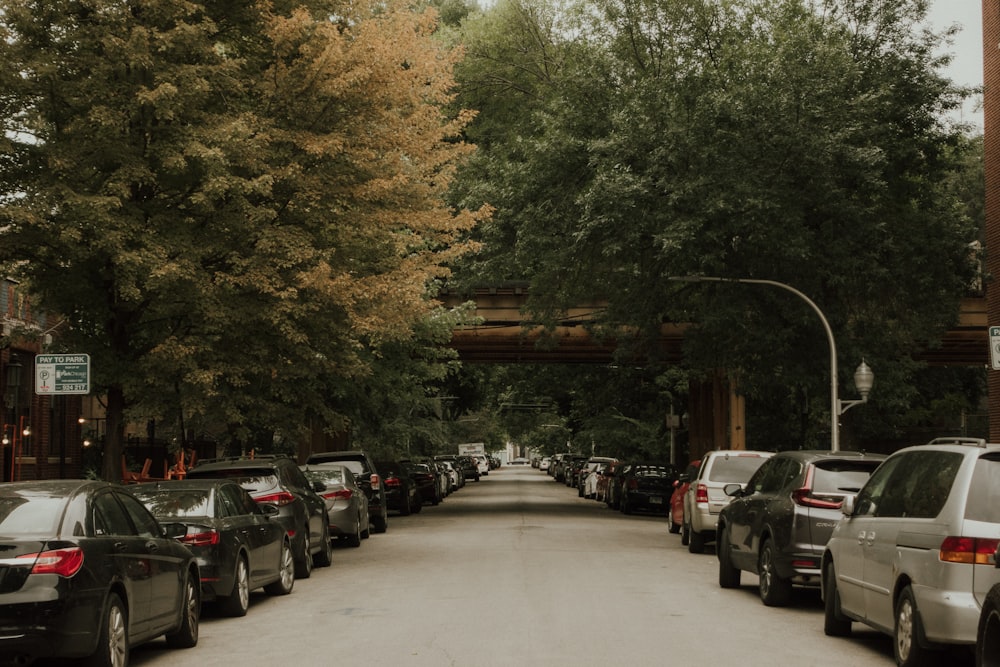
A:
701,494
200,537
375,482
971,550
392,482
804,498
342,493
64,562
279,499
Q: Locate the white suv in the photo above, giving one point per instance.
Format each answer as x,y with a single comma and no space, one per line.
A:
914,555
705,497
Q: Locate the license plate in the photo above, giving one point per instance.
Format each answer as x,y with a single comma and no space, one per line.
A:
655,501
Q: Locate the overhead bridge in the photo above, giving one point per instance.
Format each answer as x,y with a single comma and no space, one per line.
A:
503,334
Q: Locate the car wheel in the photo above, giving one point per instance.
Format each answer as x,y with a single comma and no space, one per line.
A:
418,503
988,637
286,572
186,635
404,506
324,557
112,644
696,541
685,534
381,523
907,633
674,527
238,601
354,540
835,624
304,561
729,575
774,590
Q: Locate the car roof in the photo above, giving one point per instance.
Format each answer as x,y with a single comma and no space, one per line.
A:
812,455
237,462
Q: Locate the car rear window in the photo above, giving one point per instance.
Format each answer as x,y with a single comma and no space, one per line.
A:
842,476
24,516
191,502
984,492
255,482
328,477
734,467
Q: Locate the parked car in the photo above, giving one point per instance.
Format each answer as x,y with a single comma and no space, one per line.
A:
426,481
400,490
914,555
347,514
240,545
75,579
362,465
777,526
544,463
453,475
469,466
277,480
586,478
605,480
988,635
681,485
705,497
646,487
574,466
483,463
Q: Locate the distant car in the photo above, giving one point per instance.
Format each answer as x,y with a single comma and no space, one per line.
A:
401,492
240,544
681,485
483,463
470,467
705,497
520,461
426,480
346,503
277,480
646,487
914,554
362,465
988,635
586,478
544,464
76,579
605,480
777,525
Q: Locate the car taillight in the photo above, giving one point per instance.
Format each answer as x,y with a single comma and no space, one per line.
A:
342,493
701,494
392,481
64,562
805,498
279,499
972,550
376,481
200,537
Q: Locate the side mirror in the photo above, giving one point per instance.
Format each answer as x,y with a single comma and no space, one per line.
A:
847,507
173,530
733,490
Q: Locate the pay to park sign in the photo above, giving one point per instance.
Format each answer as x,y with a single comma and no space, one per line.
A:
62,374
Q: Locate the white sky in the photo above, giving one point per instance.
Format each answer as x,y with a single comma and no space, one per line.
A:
967,65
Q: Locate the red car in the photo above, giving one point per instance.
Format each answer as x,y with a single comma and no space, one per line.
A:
677,499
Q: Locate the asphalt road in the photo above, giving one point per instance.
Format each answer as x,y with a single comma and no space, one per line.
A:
518,570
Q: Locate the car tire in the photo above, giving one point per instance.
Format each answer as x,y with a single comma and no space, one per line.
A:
286,572
696,541
186,636
729,575
907,633
324,557
775,591
381,523
418,504
237,602
354,540
988,636
304,560
685,534
835,623
112,642
674,527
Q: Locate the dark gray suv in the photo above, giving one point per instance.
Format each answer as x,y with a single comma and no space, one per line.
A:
777,525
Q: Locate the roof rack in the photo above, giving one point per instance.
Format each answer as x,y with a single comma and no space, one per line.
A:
958,440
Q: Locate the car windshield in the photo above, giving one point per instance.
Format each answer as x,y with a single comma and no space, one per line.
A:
175,503
984,492
23,516
327,477
842,476
734,468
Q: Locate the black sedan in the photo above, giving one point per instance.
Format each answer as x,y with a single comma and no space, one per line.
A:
240,545
87,571
647,487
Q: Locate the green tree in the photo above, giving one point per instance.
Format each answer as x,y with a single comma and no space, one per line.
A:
232,202
802,142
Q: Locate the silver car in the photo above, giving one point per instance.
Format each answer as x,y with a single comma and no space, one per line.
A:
914,555
346,503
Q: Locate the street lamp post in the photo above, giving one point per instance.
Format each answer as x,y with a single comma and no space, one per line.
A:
863,376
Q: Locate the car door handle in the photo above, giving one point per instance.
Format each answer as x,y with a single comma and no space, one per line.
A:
152,546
